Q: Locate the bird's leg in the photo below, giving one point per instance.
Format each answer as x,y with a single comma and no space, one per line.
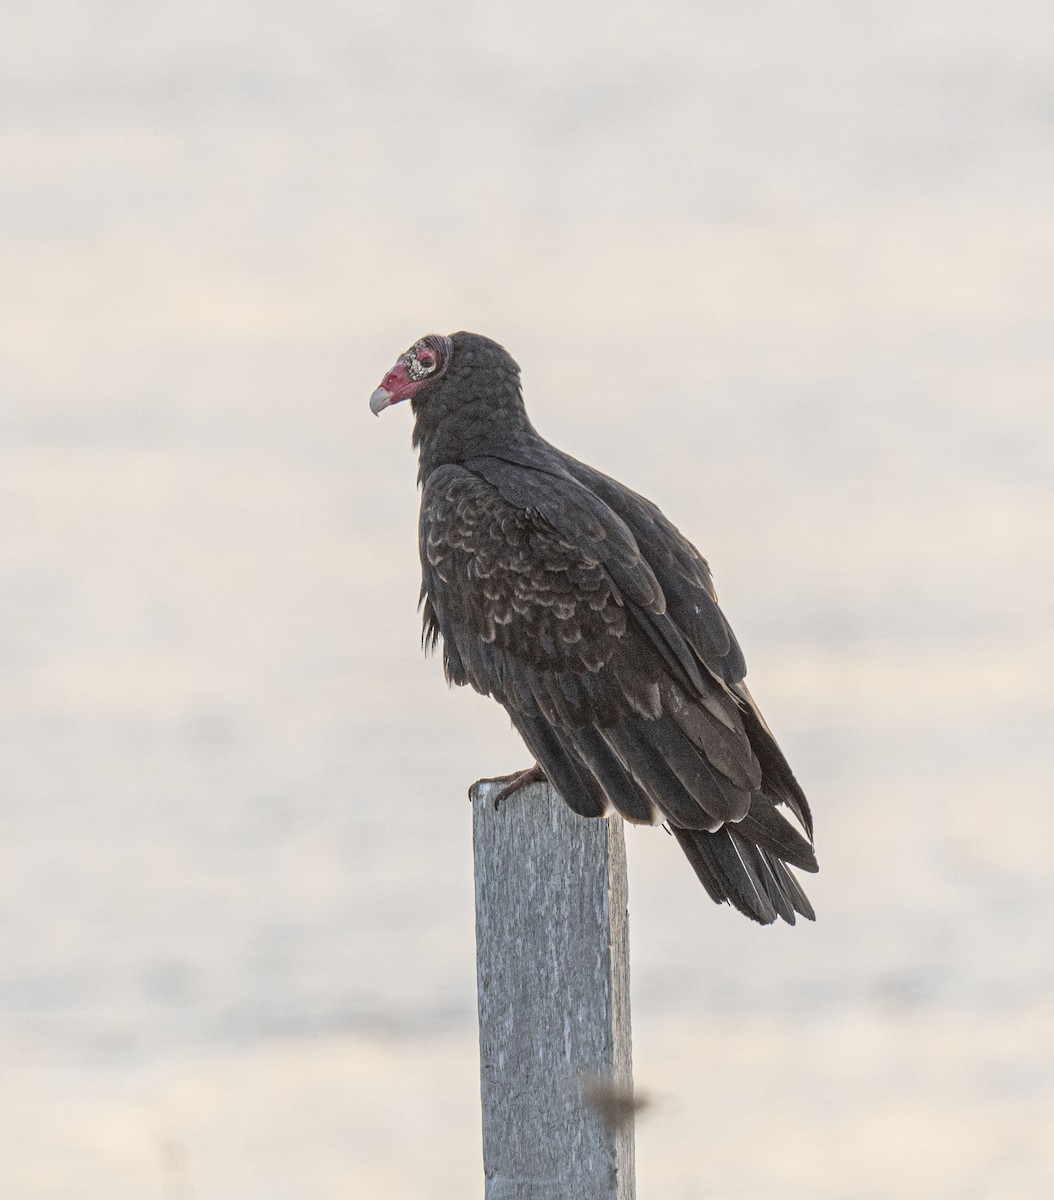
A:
513,782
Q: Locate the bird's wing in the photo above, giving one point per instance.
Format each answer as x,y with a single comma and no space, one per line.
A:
544,600
681,570
691,599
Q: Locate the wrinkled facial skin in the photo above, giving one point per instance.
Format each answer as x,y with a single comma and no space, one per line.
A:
425,360
420,360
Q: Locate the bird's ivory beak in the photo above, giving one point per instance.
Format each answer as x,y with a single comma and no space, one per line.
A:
395,386
380,400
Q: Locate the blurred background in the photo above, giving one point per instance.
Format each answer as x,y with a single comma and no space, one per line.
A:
787,269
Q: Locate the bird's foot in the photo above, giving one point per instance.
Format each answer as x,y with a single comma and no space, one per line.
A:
513,782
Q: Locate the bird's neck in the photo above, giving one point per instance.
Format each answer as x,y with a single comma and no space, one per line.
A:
456,428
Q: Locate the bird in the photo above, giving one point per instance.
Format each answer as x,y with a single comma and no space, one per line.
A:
578,606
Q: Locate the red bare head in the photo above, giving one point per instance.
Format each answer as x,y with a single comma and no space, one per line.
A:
422,364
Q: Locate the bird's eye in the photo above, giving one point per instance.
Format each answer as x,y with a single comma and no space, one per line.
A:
426,361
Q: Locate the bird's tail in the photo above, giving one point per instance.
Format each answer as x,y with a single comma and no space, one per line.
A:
745,863
739,844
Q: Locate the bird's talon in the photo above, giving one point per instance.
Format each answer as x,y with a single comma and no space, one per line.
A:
513,782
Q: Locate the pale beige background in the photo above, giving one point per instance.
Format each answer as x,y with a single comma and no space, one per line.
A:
789,269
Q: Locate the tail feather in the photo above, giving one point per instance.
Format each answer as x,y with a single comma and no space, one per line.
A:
799,901
737,879
751,877
766,827
775,886
703,864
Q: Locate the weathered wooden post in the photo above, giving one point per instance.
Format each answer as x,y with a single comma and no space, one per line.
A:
554,1015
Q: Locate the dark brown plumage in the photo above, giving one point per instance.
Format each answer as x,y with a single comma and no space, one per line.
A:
579,607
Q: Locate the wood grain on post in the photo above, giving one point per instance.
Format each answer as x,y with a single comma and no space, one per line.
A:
554,1016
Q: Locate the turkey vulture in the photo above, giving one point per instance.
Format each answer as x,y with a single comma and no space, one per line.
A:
579,607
